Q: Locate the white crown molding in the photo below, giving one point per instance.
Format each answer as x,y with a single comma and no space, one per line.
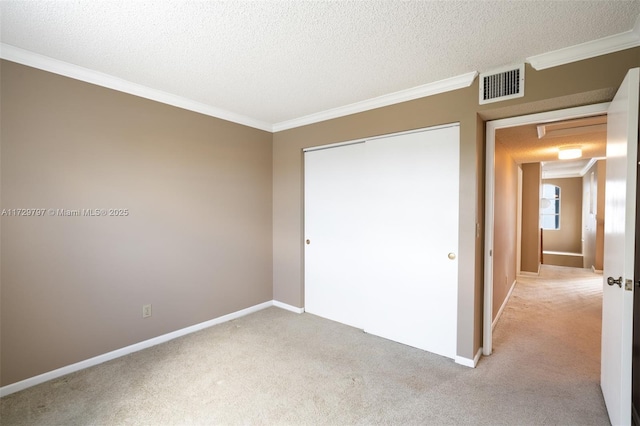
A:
590,49
614,43
441,86
565,174
573,172
35,60
587,166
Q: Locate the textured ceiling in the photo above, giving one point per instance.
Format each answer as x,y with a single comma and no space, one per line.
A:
275,61
524,146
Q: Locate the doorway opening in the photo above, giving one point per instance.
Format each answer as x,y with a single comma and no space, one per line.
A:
617,348
524,241
562,209
545,232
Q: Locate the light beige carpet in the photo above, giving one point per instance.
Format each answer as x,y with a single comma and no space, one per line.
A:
275,367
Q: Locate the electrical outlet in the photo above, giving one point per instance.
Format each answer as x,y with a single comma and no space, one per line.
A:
146,311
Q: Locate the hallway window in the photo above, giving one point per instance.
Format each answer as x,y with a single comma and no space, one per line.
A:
550,207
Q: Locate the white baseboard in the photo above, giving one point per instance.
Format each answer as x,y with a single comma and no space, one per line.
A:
529,274
504,304
469,362
596,271
287,307
36,380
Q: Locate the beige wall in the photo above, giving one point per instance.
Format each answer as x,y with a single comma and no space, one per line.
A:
196,243
593,215
288,192
589,191
203,226
569,237
531,190
590,81
602,190
505,225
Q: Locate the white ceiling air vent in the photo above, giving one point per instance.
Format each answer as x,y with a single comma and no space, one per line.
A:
503,84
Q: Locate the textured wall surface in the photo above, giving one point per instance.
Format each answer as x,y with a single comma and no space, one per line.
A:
195,240
201,233
569,237
505,226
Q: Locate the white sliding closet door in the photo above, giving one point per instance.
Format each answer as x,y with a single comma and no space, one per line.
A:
412,293
334,203
381,218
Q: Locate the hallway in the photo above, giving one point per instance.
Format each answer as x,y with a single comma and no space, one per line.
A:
549,334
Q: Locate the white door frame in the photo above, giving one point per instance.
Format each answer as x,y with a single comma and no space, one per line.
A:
492,126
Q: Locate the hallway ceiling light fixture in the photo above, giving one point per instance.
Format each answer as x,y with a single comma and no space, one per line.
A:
569,153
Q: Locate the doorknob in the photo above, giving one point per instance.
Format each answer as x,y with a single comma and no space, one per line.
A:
451,256
611,281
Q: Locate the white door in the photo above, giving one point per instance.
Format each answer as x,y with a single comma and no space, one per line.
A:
333,232
619,239
413,215
381,219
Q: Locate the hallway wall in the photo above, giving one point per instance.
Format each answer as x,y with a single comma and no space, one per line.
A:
505,217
